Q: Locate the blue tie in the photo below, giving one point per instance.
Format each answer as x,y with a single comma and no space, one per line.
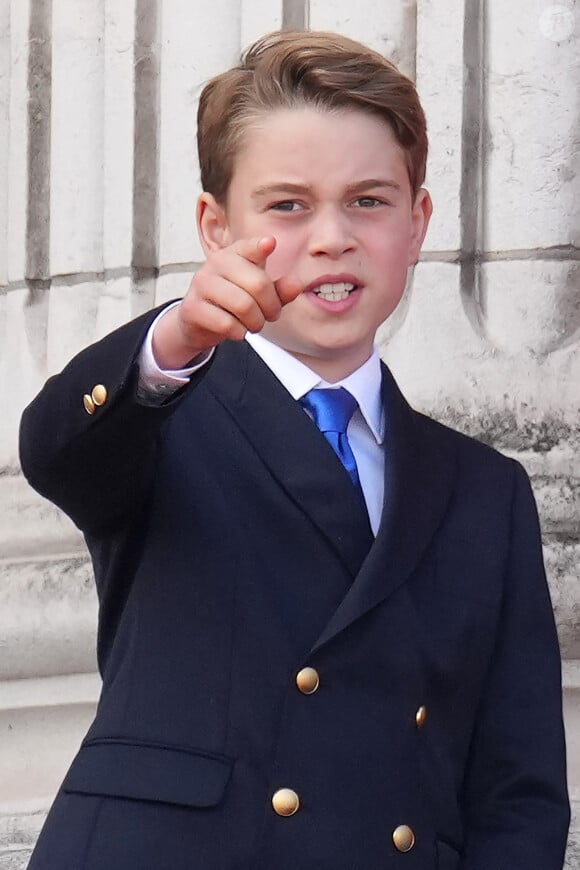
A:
331,411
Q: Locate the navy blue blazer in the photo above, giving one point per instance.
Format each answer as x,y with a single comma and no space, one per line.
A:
230,552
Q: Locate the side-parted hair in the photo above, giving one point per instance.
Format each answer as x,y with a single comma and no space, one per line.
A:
288,69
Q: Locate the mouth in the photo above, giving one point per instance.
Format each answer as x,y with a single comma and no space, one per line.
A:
333,288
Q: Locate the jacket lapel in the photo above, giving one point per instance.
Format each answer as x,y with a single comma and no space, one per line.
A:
419,478
294,451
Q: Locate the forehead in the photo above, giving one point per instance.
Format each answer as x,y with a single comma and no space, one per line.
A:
318,147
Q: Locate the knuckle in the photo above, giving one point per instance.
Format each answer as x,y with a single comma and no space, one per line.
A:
244,306
215,320
273,308
236,331
256,323
227,325
259,284
200,291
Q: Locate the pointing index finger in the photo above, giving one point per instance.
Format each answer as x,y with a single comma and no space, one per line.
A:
256,251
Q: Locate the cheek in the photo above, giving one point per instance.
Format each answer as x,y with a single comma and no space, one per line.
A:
390,244
393,258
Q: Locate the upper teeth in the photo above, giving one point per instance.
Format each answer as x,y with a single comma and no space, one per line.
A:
334,292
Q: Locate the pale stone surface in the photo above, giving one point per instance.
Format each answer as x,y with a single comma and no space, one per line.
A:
195,47
562,560
77,141
18,140
3,342
445,364
47,617
558,499
259,17
390,28
530,305
173,285
4,136
116,305
18,833
22,365
32,524
42,723
118,131
573,854
533,162
72,322
439,82
571,682
422,339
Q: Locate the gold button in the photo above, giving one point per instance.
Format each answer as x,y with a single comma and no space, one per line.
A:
285,802
99,395
89,404
403,838
307,681
421,716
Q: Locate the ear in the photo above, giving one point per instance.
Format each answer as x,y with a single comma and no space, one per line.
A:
420,217
212,224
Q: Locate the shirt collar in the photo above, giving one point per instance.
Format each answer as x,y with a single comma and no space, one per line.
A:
364,383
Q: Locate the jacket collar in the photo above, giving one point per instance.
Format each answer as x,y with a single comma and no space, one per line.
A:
283,436
364,384
419,480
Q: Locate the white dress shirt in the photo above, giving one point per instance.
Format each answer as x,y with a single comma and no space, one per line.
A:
365,431
366,428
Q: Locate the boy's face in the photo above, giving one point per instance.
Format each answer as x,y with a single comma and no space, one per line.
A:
334,191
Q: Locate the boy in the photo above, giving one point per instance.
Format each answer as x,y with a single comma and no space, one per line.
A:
325,635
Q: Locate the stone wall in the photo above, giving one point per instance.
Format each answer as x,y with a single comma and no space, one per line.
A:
98,181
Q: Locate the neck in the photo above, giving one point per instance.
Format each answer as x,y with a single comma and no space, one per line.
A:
333,370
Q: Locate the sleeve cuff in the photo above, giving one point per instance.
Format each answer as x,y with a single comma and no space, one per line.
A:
159,384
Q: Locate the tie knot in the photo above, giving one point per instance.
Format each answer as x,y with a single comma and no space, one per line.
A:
330,409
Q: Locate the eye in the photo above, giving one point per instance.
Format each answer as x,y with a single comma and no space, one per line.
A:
287,205
368,202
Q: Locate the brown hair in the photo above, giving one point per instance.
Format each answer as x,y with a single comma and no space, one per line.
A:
294,68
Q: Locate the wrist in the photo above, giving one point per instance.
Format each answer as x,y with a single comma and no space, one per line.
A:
170,349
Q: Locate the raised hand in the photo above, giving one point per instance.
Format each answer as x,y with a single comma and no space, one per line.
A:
230,295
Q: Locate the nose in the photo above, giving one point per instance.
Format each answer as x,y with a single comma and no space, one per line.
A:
331,233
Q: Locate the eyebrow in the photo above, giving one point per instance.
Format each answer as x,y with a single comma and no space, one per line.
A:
289,187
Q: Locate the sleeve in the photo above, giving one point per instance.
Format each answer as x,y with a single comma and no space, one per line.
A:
87,442
156,385
515,801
